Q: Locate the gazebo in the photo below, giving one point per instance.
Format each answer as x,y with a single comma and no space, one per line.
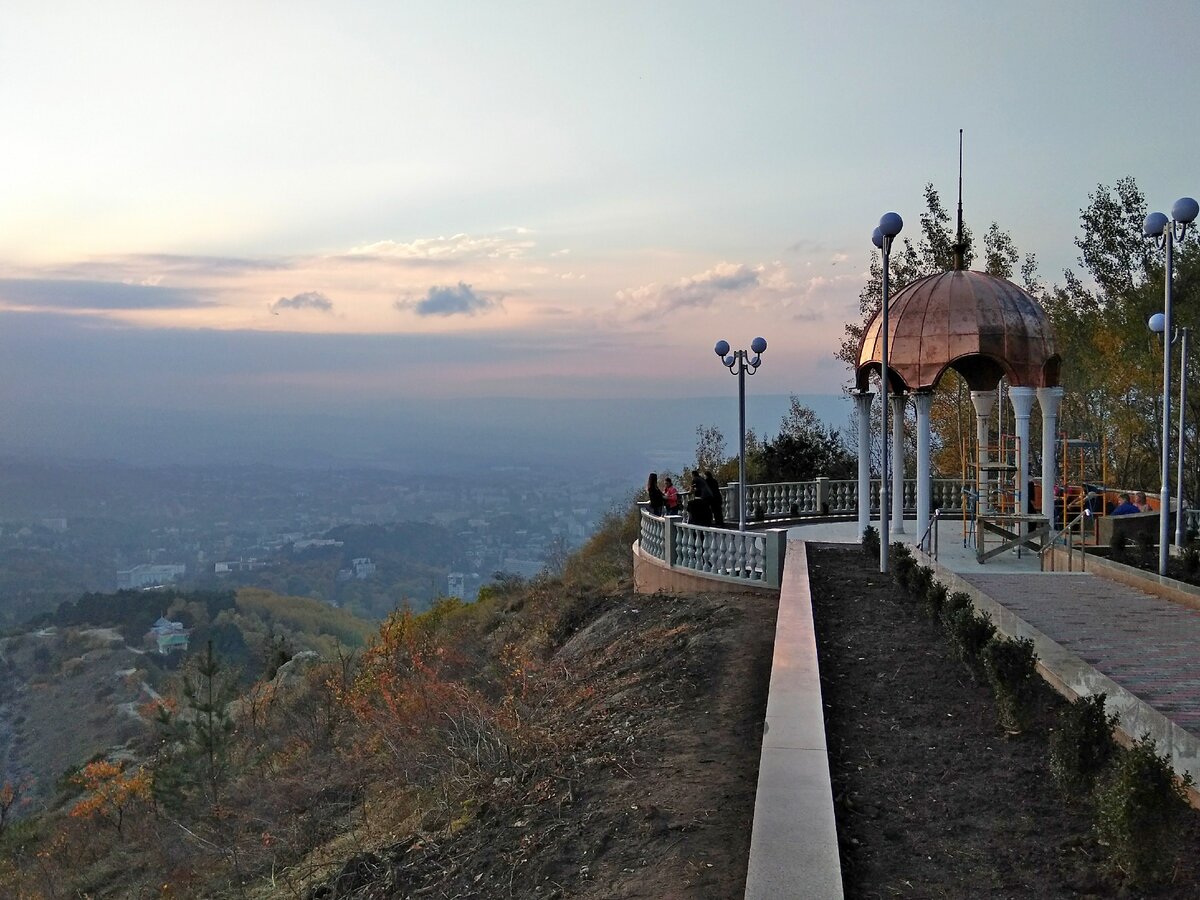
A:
983,327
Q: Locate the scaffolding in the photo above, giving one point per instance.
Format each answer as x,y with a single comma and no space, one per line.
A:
1089,492
993,482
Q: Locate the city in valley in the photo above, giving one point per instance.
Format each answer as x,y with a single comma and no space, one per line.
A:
366,540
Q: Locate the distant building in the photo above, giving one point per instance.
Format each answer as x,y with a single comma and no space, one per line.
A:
168,636
229,566
360,569
456,585
148,575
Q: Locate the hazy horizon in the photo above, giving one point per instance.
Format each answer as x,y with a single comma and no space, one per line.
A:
616,437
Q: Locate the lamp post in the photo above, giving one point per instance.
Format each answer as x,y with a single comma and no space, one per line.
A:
1165,232
741,364
889,226
1157,325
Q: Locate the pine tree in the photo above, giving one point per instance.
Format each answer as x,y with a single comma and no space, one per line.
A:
194,763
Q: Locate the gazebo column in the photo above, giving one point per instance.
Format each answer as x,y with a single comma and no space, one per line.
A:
862,402
924,404
1049,399
898,401
983,401
1022,404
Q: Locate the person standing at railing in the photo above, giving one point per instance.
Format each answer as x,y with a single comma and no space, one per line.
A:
657,500
715,499
672,497
1139,500
700,507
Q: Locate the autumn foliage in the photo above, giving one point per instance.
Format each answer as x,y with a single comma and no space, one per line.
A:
109,790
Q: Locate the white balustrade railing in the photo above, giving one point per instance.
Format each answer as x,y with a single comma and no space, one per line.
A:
827,497
724,554
757,556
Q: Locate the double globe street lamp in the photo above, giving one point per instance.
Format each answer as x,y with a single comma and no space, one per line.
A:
1165,232
741,364
889,226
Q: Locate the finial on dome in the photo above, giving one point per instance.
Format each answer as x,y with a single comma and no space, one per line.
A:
959,248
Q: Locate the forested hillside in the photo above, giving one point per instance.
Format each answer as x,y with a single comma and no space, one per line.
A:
86,679
560,736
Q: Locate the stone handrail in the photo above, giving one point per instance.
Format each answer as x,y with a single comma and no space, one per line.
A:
738,557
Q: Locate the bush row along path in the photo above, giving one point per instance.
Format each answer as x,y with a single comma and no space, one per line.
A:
933,799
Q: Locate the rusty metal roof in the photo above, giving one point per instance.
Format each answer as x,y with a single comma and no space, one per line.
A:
982,326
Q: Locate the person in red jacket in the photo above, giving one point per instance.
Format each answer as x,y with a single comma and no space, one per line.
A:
672,497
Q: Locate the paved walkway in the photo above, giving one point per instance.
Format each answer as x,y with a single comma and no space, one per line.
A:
1147,645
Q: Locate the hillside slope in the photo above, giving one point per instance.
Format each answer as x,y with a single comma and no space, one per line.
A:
561,737
644,783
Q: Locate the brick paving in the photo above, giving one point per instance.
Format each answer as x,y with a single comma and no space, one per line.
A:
1149,646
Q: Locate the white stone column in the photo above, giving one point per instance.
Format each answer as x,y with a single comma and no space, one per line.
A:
898,401
1022,404
862,402
1048,400
924,402
983,401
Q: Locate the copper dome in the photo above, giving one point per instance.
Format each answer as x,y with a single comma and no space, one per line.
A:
982,326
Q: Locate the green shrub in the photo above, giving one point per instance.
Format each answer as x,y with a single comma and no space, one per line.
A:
920,581
1138,809
1011,669
870,542
969,634
1082,744
935,598
952,604
903,564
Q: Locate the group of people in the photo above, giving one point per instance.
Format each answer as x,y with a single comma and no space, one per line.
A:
1131,504
705,507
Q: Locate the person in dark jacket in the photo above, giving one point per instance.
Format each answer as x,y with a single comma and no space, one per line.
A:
716,499
657,500
699,507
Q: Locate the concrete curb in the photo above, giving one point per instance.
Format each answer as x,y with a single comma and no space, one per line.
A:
793,847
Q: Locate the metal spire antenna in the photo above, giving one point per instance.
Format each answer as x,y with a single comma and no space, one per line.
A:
960,249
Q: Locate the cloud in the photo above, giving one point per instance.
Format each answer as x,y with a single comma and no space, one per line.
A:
697,291
72,294
308,300
807,245
459,300
455,247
